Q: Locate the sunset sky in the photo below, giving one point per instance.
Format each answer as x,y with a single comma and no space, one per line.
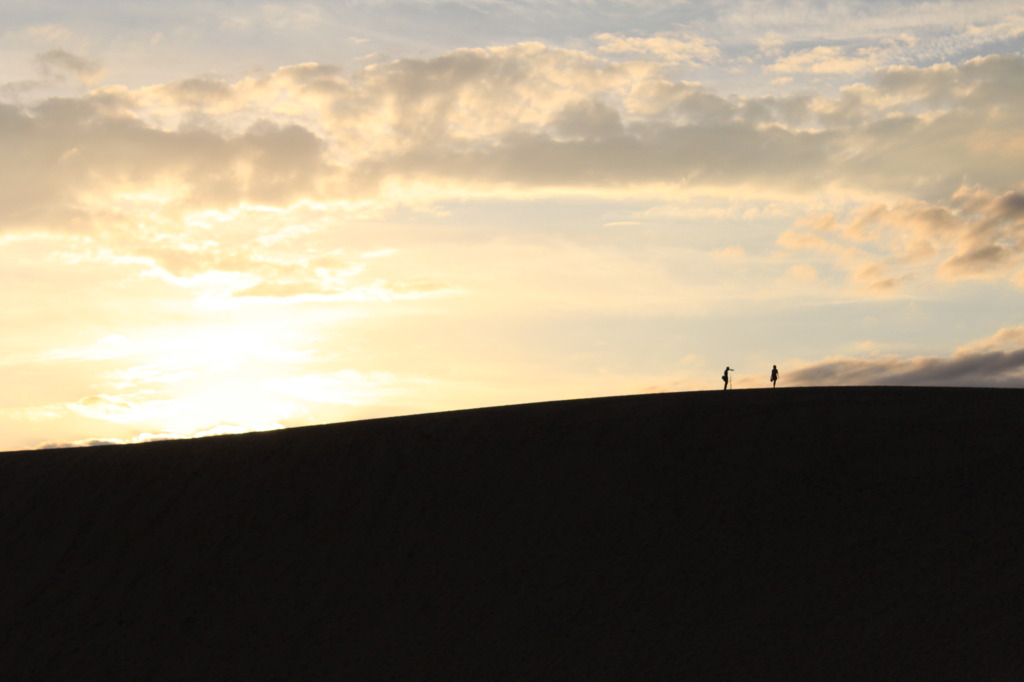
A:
232,216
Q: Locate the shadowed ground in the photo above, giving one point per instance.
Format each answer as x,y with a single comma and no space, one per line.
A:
818,534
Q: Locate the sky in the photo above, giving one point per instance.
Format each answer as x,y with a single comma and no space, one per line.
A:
221,217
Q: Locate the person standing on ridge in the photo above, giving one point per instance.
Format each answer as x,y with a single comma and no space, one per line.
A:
725,376
775,375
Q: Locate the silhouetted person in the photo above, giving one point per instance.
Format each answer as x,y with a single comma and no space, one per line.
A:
775,375
725,376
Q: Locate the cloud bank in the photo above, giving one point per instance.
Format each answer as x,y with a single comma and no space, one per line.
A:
928,160
997,361
506,120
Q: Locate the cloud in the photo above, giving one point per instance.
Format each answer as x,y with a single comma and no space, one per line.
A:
87,443
587,119
825,59
524,115
1012,26
379,291
976,233
1008,338
133,168
876,277
277,267
198,92
64,155
996,368
886,138
97,442
715,155
803,273
58,64
220,430
673,47
995,361
297,16
113,408
936,30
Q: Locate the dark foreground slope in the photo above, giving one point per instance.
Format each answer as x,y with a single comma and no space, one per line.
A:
818,534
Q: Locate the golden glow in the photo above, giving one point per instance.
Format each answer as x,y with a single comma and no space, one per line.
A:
215,224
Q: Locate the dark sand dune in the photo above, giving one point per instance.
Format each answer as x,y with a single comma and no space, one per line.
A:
812,534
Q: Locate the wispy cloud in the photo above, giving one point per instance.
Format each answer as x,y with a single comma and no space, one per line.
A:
677,47
976,234
829,60
59,63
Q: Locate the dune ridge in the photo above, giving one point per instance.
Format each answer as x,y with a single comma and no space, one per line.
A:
818,533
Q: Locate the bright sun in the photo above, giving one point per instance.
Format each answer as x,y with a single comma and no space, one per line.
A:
194,381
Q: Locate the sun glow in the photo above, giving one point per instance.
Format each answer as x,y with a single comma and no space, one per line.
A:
241,402
185,382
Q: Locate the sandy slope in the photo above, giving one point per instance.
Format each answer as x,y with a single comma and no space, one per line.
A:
858,533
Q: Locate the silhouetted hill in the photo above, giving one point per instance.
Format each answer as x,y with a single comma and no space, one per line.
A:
813,534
